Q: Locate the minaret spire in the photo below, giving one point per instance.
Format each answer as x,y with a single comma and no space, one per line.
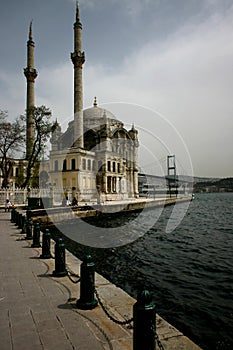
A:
77,12
30,74
30,31
78,59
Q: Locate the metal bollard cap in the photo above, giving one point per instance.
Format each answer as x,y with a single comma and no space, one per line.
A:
144,299
88,261
60,242
46,232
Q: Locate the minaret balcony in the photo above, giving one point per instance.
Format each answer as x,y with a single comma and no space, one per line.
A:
30,73
78,58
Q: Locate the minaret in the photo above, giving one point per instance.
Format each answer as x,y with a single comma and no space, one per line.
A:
30,74
78,58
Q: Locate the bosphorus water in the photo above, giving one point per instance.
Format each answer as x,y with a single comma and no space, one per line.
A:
189,270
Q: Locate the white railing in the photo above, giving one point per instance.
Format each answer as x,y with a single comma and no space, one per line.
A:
20,196
17,196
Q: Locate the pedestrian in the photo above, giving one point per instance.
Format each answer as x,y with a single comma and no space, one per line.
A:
7,205
74,201
67,201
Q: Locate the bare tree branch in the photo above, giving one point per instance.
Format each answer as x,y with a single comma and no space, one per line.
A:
43,128
12,137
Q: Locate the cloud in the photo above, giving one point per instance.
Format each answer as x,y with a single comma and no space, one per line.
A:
55,90
188,78
13,93
131,7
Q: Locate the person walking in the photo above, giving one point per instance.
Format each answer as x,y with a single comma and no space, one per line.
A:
7,205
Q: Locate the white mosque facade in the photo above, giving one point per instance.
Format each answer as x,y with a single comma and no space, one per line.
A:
96,156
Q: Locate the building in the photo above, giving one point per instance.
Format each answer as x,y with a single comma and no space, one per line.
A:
96,156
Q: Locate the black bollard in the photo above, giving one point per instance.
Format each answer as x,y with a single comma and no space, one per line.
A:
46,238
28,229
23,224
28,213
87,300
60,259
20,221
16,218
13,215
144,318
36,236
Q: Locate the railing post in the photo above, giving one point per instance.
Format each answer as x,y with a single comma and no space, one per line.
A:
87,300
144,318
46,238
60,259
36,236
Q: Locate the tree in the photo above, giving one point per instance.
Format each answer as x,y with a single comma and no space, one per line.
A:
12,137
43,129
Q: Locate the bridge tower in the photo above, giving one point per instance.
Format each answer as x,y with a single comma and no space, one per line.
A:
172,178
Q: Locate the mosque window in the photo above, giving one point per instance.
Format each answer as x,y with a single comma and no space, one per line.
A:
99,165
93,165
118,167
16,171
109,165
64,167
56,165
114,167
73,164
114,184
109,184
89,164
84,164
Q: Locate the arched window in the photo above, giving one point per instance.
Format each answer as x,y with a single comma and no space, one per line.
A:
100,165
64,167
84,164
56,165
89,164
73,164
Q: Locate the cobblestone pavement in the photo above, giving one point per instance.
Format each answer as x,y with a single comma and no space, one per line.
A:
38,311
35,308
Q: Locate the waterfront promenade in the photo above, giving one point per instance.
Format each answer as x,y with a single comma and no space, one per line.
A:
39,311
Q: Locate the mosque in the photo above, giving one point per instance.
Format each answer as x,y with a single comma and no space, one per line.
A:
96,156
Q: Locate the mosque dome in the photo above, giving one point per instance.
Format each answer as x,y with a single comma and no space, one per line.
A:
97,113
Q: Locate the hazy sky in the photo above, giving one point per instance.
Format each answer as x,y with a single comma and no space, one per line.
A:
169,63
